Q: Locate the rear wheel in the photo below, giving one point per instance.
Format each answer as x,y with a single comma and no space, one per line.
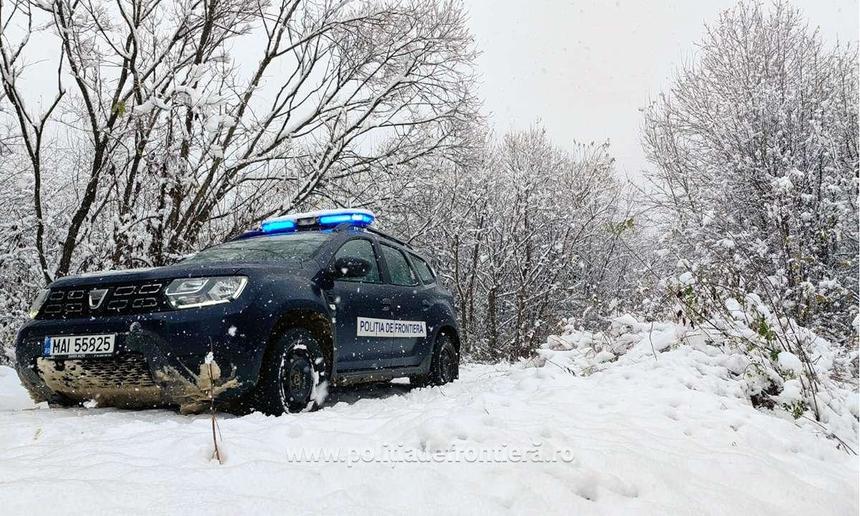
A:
445,365
294,376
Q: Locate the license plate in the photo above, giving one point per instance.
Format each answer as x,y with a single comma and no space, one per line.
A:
79,345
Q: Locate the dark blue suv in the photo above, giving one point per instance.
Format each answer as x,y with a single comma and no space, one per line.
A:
267,321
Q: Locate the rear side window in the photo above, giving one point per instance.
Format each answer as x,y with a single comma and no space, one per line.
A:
424,271
398,268
363,249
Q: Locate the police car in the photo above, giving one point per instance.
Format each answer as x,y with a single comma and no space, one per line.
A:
267,321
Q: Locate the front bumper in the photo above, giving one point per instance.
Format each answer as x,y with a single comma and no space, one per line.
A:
159,358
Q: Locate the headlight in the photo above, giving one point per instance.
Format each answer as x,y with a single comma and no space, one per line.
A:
37,303
197,292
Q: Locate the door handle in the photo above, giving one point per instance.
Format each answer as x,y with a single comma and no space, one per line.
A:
426,304
386,304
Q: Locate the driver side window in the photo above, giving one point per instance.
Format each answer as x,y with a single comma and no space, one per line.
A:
360,248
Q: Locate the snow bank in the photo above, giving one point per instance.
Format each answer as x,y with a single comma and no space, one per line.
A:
642,418
637,435
730,371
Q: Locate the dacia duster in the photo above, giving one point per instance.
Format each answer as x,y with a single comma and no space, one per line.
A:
266,321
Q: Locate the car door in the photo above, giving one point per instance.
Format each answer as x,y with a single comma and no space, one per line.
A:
354,300
427,296
409,335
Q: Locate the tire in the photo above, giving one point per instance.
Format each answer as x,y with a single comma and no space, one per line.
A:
444,367
294,375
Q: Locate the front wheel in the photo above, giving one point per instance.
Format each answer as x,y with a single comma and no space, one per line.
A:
294,377
445,365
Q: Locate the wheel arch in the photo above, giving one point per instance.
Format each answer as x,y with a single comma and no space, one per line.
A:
451,331
309,319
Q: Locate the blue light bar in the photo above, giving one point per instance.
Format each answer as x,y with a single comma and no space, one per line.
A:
277,226
357,219
320,220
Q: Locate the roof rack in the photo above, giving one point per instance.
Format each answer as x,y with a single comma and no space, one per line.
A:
386,235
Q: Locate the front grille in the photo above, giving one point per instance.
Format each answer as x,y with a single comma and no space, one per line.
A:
64,303
127,371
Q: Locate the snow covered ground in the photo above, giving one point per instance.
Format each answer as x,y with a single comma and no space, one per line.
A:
645,436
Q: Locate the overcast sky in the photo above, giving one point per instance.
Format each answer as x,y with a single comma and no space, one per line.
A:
585,67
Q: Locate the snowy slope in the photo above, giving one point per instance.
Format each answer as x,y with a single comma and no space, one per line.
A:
646,437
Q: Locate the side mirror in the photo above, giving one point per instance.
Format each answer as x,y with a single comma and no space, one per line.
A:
349,267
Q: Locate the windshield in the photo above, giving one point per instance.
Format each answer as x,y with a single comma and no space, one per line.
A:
288,247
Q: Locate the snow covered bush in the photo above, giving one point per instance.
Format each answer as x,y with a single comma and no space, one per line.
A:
19,271
756,174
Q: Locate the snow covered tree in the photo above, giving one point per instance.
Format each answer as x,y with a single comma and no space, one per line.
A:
5,130
172,124
756,168
525,234
176,141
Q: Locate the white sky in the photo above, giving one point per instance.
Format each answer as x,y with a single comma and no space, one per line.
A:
585,67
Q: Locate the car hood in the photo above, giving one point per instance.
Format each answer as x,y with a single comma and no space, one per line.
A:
179,270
